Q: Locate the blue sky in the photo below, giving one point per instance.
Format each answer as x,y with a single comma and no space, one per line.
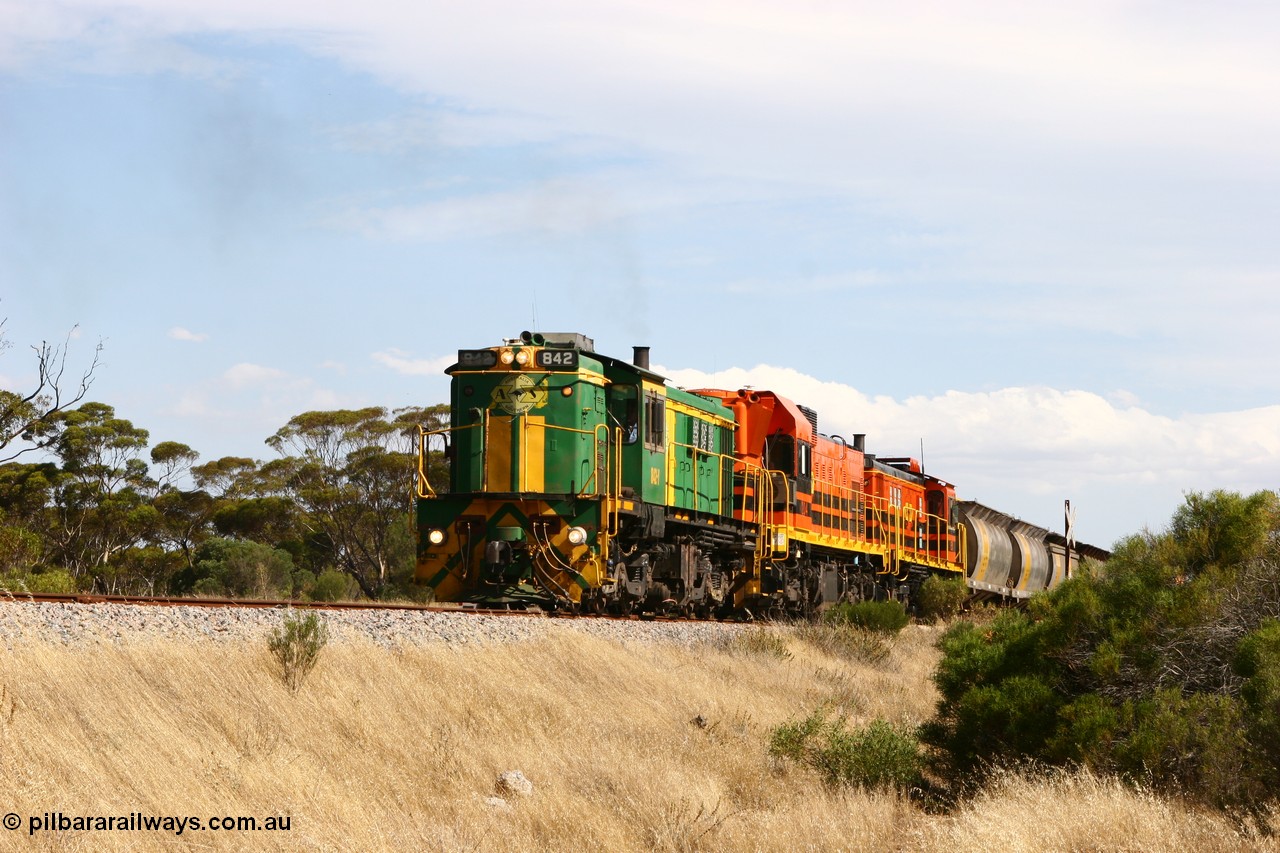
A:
1040,239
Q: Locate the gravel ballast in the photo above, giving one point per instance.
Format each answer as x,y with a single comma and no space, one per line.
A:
79,624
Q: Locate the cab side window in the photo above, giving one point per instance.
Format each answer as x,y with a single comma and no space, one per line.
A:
655,421
624,412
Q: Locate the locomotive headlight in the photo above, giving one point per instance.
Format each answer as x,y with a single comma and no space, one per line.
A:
435,537
577,535
522,357
506,356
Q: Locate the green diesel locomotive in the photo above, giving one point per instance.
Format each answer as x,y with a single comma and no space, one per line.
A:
577,480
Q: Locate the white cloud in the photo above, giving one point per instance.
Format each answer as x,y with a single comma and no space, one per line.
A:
448,128
401,363
728,82
248,402
245,374
1127,116
178,333
1055,144
192,404
324,398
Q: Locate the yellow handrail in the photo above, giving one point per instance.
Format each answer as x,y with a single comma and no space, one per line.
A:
424,484
725,464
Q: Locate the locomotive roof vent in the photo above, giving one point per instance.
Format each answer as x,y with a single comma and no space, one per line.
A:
559,340
810,415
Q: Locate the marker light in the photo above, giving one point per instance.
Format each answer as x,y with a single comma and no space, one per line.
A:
577,535
507,356
435,537
522,357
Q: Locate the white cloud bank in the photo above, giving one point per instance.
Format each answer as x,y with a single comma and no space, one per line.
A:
1035,446
1119,145
178,333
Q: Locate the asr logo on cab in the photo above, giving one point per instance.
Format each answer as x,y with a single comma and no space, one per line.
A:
517,394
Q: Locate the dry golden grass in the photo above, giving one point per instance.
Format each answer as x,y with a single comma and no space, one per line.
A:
629,747
1080,812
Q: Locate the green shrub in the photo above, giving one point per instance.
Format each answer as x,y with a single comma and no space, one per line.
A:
296,646
1258,663
419,593
1163,665
942,598
879,755
331,585
794,740
1199,743
887,617
233,567
301,581
208,587
19,549
48,581
52,580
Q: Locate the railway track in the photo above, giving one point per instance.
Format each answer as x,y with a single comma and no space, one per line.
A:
284,604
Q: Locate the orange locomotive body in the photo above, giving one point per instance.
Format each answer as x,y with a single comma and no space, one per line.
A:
824,503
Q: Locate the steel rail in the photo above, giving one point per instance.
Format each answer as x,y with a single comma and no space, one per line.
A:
8,596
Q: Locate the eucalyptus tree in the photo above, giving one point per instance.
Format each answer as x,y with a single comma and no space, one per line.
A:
184,517
29,418
25,494
352,472
102,494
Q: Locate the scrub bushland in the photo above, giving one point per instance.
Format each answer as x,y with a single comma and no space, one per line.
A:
1161,667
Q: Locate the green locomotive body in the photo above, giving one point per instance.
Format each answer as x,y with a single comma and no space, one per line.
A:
558,458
